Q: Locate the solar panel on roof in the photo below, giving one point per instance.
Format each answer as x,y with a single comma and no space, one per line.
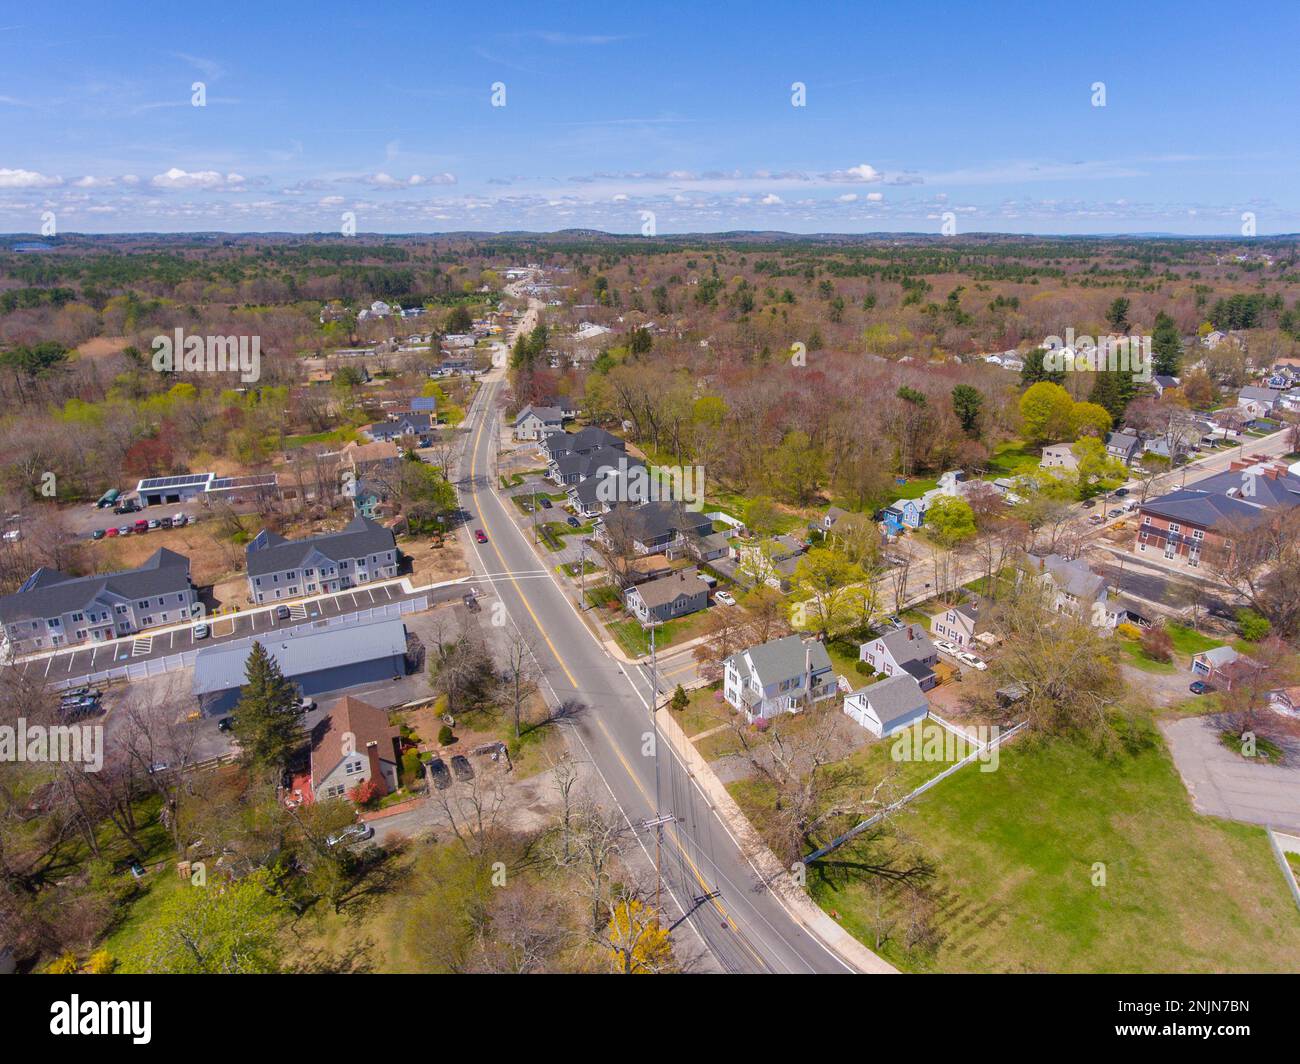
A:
151,483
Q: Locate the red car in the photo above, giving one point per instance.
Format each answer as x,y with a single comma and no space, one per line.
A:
110,532
480,535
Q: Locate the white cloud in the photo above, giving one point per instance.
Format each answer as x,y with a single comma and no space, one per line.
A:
875,197
331,201
26,179
848,197
177,178
384,180
863,172
771,200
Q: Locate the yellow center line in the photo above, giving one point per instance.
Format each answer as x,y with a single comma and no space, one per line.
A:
473,466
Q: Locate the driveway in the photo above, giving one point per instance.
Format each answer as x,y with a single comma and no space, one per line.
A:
1224,784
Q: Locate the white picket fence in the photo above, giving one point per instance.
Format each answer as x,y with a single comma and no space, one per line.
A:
141,670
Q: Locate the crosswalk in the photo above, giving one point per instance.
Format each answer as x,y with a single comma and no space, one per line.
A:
141,645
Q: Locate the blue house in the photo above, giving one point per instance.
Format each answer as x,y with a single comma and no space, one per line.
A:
905,513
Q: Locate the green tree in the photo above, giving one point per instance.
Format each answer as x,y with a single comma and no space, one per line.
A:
966,404
268,716
799,467
220,929
1117,315
1033,371
822,578
680,699
1166,347
1096,467
949,520
1045,411
1089,419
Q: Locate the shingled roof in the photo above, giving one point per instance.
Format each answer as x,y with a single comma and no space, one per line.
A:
272,553
50,593
364,722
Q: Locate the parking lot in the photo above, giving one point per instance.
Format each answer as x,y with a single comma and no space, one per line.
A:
147,645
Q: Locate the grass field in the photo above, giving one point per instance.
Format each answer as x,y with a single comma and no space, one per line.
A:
1017,853
1012,458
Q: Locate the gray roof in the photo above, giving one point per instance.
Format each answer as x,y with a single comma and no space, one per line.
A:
783,659
1074,577
904,649
50,593
221,668
1219,656
894,698
582,441
667,588
1223,497
1262,395
547,414
1123,441
652,520
271,553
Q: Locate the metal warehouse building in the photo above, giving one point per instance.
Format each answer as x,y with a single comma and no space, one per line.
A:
327,660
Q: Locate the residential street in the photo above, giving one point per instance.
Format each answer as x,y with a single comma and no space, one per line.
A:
746,927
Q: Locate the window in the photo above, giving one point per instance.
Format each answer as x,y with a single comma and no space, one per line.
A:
78,617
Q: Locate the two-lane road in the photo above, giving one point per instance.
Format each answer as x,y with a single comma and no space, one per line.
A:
707,878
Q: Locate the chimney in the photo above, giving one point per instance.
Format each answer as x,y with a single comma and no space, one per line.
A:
910,636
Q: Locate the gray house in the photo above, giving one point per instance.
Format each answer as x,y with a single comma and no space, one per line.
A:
888,705
279,568
670,596
780,676
53,609
906,649
534,422
1123,445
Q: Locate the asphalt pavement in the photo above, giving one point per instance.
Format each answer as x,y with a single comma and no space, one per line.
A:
709,884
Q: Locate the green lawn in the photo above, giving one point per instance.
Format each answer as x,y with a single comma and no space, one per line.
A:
1138,658
1016,853
635,640
1189,641
702,713
913,489
1012,458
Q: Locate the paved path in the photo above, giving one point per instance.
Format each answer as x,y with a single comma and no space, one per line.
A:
1224,784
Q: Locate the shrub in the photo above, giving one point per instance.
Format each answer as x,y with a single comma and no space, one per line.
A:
101,962
1254,627
445,735
65,965
864,668
365,794
1157,644
1128,630
761,724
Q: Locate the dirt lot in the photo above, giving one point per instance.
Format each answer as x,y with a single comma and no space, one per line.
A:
211,560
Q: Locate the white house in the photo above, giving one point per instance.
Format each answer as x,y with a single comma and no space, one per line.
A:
888,706
534,422
957,624
904,650
1059,456
780,676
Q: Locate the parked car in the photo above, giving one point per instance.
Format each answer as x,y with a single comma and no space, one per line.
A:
1116,512
142,525
307,704
544,502
971,660
1119,493
226,723
947,647
155,523
1088,504
99,533
725,597
202,631
125,530
165,522
461,767
439,774
480,535
471,602
109,533
1096,519
282,613
1200,687
352,833
179,520
573,522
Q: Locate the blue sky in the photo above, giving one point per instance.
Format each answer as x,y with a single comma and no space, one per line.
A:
914,112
